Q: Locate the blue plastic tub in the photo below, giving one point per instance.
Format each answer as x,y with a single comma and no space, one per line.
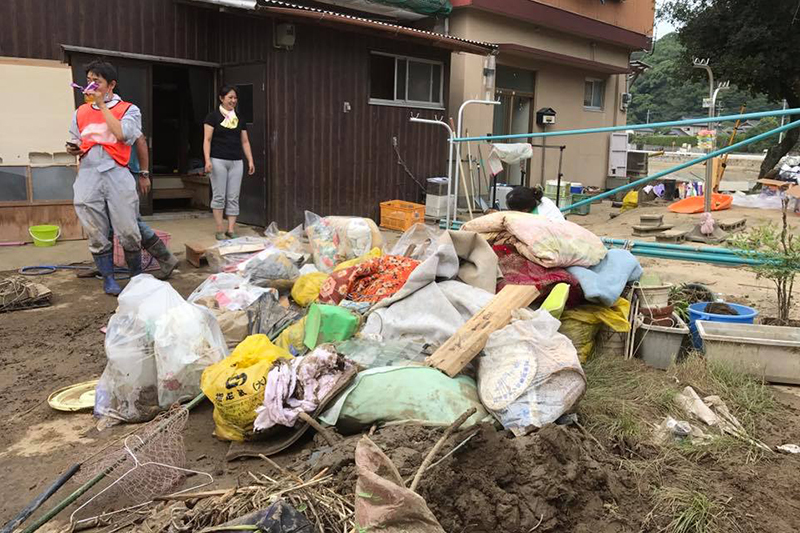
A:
747,315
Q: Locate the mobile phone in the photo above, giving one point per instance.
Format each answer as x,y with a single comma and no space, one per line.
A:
72,145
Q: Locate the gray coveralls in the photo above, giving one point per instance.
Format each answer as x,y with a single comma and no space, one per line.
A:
105,193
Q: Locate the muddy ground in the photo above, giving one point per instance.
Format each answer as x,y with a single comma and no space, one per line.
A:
559,479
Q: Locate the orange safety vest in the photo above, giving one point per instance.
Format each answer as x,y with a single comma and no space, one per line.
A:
94,130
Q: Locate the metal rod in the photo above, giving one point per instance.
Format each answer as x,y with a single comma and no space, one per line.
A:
40,499
450,135
676,168
625,127
458,132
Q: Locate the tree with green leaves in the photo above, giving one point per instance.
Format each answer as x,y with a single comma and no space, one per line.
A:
753,43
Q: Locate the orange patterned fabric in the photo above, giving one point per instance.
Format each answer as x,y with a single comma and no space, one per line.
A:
371,281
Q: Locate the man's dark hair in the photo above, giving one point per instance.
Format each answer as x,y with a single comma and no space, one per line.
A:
524,199
101,68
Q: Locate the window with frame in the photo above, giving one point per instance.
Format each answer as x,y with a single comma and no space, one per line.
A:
405,81
594,94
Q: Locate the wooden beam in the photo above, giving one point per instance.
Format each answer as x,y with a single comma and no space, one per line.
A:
471,338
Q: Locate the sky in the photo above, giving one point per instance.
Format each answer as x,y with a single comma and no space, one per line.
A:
662,27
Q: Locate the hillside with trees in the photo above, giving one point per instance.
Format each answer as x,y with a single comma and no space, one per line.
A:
672,89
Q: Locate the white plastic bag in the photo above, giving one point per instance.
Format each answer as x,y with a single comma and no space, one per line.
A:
337,239
530,374
187,340
271,268
156,344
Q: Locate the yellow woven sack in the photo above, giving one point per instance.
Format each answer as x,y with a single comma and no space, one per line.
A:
306,289
236,384
582,324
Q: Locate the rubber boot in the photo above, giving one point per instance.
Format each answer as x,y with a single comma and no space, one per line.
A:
105,264
166,261
134,262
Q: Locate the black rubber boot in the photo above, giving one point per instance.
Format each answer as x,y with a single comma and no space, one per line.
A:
105,264
134,262
166,261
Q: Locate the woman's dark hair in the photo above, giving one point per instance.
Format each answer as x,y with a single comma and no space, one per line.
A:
524,199
225,89
101,68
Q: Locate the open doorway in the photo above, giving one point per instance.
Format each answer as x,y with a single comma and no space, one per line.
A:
514,114
181,99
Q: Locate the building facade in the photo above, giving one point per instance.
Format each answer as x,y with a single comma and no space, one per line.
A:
326,106
568,55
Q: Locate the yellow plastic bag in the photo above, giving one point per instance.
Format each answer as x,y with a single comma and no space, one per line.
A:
631,201
306,288
236,384
582,324
292,337
372,254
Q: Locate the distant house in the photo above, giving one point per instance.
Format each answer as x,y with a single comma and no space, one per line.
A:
569,55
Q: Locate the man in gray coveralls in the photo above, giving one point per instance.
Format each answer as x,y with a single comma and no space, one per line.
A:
105,192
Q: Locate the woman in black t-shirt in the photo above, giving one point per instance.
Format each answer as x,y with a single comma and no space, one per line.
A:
225,142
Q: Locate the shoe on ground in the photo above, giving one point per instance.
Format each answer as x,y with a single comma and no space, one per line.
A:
221,235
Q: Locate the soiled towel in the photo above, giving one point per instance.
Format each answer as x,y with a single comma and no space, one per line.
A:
604,282
298,386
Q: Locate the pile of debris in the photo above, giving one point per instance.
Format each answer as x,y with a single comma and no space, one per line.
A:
481,332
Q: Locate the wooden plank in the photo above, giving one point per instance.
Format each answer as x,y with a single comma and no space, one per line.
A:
775,183
194,253
471,338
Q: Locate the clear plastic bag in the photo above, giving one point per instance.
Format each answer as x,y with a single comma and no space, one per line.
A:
271,268
187,340
337,239
226,255
530,374
157,345
287,241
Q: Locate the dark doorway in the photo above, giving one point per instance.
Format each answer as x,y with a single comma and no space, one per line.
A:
249,80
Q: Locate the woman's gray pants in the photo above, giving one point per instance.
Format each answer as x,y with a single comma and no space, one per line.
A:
226,182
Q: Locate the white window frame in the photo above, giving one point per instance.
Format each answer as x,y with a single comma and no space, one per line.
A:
404,102
594,82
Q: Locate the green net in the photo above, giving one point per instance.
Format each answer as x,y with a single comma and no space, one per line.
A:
424,7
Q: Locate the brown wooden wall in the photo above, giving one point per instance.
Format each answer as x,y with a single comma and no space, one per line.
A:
332,162
319,158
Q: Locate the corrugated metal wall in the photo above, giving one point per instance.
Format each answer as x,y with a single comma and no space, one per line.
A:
331,162
320,158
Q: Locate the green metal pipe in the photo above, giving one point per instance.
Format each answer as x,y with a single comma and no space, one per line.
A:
657,175
667,246
626,127
718,259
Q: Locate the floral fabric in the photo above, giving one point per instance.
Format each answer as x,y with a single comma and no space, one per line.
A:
371,281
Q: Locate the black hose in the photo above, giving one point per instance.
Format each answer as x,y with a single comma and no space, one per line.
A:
40,499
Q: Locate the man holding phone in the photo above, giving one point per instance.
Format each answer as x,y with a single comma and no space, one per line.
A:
105,194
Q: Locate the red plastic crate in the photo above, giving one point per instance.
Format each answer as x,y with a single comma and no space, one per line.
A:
147,264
